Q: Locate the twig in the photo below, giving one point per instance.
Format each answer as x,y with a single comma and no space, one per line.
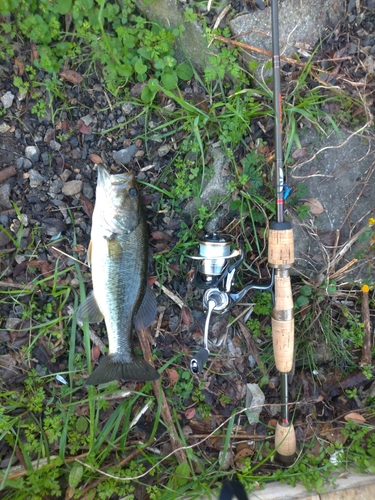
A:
7,173
171,295
159,393
367,340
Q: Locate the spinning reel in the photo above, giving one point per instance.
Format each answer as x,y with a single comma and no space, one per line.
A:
216,275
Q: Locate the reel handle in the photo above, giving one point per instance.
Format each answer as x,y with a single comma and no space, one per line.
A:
198,362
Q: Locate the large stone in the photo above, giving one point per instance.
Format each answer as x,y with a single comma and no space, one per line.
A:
301,25
169,14
341,176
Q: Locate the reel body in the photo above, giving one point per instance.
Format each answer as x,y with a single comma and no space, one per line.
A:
216,275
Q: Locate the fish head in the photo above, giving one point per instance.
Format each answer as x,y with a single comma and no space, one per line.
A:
118,203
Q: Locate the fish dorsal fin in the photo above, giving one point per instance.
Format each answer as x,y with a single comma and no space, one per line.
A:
89,254
89,311
147,311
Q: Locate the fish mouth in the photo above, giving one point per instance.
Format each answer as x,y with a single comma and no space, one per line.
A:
118,181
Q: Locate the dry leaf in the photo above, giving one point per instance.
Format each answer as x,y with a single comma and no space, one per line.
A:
161,235
357,417
316,208
87,205
95,353
298,154
84,129
151,280
34,53
19,66
189,413
71,76
185,316
244,453
95,159
173,376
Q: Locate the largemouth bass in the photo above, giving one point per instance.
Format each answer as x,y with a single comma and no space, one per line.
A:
118,257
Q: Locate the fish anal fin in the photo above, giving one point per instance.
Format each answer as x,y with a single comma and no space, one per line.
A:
88,311
147,311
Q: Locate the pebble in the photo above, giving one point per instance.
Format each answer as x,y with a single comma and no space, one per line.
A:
76,154
71,188
65,175
163,150
4,128
32,153
87,120
4,238
35,178
7,99
127,108
88,190
11,323
74,142
5,196
254,402
54,145
125,155
351,5
45,158
56,186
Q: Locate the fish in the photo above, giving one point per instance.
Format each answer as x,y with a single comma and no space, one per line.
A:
118,257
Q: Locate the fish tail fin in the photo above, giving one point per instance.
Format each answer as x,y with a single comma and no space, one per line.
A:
114,367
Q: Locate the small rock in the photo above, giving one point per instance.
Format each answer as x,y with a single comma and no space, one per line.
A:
35,178
65,175
71,188
12,323
125,155
351,6
127,108
88,190
4,128
56,186
87,120
76,154
254,402
32,153
163,150
21,95
7,99
5,196
54,145
4,238
45,158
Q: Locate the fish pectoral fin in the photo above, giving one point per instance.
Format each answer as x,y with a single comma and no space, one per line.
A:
147,311
89,311
89,253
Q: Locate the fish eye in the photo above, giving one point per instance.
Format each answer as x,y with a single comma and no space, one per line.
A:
132,192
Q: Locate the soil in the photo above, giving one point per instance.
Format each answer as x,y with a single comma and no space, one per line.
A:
52,190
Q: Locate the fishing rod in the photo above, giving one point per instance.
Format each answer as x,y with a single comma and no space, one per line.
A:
281,258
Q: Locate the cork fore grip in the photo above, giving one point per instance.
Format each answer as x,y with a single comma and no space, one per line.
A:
281,248
283,293
283,344
285,442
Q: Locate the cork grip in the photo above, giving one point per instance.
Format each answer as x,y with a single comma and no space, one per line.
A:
281,248
283,294
285,442
283,344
